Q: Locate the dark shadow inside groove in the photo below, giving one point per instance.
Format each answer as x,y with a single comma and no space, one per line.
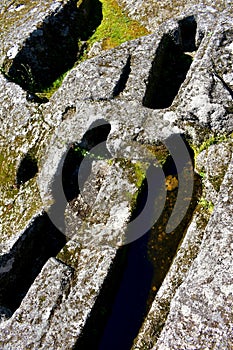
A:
54,47
19,268
42,239
27,169
96,134
135,277
170,65
121,84
188,28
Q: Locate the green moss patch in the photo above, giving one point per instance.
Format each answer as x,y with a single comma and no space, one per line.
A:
206,205
211,140
116,26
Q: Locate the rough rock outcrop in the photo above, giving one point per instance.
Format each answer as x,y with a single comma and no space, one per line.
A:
153,13
212,165
50,40
201,312
66,276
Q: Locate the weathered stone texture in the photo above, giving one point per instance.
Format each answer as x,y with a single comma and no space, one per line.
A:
24,19
153,12
116,95
50,40
201,312
212,163
22,130
55,278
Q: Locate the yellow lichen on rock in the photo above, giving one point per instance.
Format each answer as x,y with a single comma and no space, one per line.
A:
171,183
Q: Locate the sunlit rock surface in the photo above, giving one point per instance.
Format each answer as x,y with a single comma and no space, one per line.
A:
63,264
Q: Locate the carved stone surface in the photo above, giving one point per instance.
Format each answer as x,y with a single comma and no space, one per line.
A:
62,259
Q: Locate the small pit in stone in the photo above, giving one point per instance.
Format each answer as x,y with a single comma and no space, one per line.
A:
27,169
171,64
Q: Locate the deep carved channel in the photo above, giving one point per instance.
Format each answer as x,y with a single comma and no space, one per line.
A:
54,47
19,268
136,275
170,65
42,240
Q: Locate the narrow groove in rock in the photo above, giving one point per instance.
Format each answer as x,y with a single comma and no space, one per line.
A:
19,268
54,47
170,65
42,240
121,84
135,277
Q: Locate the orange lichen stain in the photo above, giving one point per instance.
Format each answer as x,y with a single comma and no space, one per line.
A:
171,183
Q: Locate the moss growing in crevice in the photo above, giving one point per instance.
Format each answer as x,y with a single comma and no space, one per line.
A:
136,171
205,205
42,72
158,151
209,140
210,165
116,26
136,174
213,140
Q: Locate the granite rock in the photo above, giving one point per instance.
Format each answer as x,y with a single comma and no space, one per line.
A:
67,245
201,311
153,13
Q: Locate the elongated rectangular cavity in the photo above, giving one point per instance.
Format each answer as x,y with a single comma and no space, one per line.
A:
170,65
54,46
